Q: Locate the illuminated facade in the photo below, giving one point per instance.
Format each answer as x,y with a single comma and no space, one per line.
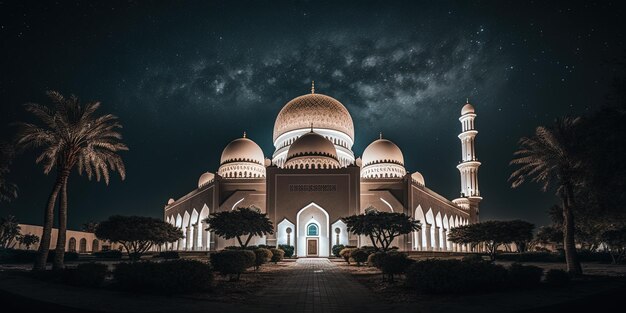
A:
313,180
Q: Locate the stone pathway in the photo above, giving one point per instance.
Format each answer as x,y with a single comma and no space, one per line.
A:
318,285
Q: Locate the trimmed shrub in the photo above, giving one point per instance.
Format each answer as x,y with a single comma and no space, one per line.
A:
524,275
336,249
532,257
17,256
454,276
359,256
394,263
168,255
232,248
262,256
69,256
288,250
473,258
232,262
111,254
375,259
368,249
557,277
277,255
345,254
170,277
86,274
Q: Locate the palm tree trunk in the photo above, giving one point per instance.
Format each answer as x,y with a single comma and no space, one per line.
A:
569,244
48,217
59,254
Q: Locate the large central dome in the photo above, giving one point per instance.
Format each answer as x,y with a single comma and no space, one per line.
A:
321,110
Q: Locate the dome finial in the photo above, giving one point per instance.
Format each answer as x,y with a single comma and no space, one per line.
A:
466,100
312,87
311,126
380,135
244,134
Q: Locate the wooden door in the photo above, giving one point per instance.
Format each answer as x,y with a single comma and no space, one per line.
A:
311,249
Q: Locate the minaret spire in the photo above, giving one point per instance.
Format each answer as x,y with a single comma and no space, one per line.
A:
468,167
244,134
380,135
312,87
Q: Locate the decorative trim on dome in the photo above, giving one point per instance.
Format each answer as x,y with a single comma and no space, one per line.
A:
385,161
325,111
312,153
246,160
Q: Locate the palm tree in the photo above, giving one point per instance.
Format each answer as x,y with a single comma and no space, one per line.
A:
550,158
70,135
8,190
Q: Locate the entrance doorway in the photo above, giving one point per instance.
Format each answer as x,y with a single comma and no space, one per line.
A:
311,247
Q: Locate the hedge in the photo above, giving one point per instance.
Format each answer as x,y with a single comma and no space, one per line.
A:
232,262
170,277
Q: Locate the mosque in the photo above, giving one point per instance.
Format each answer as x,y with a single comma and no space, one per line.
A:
313,179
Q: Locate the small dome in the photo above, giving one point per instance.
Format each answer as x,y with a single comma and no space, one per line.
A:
170,201
382,151
242,150
417,177
467,109
205,179
324,111
312,144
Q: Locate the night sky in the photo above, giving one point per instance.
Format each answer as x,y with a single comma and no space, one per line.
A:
187,78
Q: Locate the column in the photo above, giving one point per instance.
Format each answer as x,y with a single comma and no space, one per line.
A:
188,239
428,240
437,238
445,239
205,236
196,236
418,240
179,244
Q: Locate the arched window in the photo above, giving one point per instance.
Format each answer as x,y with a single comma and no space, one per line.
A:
95,245
71,246
312,230
83,245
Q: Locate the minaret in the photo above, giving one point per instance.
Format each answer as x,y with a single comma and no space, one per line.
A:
468,167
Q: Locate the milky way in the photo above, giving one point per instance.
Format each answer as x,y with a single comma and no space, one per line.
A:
187,78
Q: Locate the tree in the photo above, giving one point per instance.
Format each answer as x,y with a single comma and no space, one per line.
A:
8,190
615,239
70,135
89,227
137,234
492,233
551,158
9,231
28,240
549,234
381,227
240,222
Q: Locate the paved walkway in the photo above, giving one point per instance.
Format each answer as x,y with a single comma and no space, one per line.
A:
318,285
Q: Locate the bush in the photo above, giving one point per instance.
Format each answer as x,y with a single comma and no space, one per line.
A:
557,277
171,277
394,263
232,262
359,256
232,248
69,256
277,255
345,254
532,257
86,274
524,275
111,254
473,258
262,256
375,259
17,256
336,249
168,255
454,276
288,250
368,249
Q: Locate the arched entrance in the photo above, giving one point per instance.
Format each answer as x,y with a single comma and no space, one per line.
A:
312,232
